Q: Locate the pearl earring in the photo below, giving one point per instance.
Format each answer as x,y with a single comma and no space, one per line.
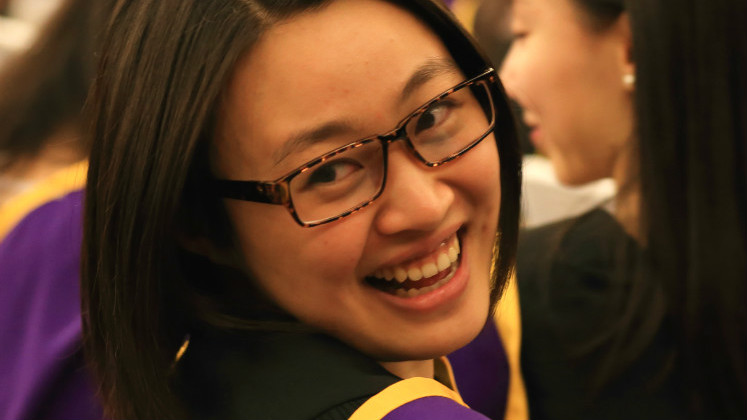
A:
629,80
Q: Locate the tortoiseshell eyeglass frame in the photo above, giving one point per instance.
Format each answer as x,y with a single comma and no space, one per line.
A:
278,191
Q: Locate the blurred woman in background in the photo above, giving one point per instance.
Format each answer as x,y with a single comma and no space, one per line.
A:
636,309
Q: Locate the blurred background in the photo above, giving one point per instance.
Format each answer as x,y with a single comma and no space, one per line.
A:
20,21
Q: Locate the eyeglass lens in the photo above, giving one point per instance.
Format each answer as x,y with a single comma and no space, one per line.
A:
355,176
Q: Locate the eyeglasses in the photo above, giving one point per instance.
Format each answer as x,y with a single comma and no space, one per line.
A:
343,181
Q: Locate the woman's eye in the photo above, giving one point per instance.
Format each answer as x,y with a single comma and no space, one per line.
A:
332,172
434,116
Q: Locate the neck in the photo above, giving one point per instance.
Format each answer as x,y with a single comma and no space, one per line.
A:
628,198
410,368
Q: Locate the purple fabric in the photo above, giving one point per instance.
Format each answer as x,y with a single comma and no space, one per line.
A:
482,374
42,373
433,408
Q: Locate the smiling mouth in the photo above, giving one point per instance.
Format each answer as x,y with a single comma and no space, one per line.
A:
421,276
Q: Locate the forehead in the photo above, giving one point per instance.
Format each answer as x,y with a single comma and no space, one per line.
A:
348,61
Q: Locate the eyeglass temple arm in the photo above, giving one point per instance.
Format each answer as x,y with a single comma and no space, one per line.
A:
260,192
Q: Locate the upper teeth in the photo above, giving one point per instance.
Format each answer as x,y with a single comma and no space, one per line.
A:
425,268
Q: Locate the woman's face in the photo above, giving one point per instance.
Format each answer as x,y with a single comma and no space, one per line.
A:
569,80
324,79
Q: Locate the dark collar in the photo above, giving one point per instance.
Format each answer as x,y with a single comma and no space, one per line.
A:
274,375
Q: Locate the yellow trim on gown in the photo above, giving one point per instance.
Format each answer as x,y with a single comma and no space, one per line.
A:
508,321
55,186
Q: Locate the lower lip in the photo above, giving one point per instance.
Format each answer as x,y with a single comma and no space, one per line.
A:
434,299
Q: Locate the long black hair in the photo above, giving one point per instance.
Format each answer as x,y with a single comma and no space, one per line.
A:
163,68
690,160
691,65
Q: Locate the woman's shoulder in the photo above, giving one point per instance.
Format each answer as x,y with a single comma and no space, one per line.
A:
52,190
40,323
586,248
300,375
274,375
573,276
415,398
574,280
597,225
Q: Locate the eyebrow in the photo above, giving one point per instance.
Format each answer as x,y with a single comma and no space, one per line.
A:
310,137
427,71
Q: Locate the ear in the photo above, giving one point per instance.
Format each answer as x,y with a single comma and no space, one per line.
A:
624,35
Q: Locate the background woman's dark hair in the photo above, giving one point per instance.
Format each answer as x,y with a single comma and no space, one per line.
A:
45,87
163,69
600,14
691,65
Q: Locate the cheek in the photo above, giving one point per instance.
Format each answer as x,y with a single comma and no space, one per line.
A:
488,169
285,258
536,72
545,71
270,257
481,172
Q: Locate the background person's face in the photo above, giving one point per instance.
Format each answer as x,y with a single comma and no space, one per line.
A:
348,63
568,79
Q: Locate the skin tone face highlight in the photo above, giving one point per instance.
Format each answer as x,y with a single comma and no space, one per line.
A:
568,78
347,66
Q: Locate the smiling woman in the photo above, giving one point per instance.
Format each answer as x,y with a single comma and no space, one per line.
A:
421,208
305,191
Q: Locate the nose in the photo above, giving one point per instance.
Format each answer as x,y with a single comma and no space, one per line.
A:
415,197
